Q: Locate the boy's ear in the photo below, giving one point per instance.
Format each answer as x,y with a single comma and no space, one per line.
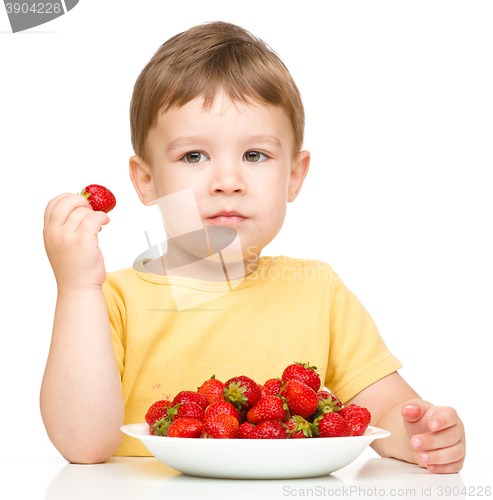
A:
299,169
141,177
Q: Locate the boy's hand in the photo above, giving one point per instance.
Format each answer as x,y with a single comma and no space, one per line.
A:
71,241
436,435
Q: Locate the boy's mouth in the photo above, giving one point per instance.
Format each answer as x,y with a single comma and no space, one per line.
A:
226,218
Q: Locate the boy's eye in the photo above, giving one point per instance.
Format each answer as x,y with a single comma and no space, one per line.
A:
254,156
193,156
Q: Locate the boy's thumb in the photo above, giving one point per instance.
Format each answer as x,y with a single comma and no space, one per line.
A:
414,410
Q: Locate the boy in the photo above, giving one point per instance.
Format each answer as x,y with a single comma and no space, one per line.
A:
215,113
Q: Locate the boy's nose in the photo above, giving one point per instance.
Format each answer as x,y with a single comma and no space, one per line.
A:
227,179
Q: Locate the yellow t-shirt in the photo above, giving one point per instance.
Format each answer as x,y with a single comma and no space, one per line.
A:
287,310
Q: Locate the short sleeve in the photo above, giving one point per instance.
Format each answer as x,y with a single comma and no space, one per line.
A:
358,356
116,313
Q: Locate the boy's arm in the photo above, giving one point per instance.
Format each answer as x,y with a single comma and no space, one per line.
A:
81,399
430,436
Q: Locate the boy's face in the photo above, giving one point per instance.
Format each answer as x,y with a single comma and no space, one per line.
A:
236,158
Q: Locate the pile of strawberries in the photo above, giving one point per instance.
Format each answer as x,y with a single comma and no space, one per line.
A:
288,407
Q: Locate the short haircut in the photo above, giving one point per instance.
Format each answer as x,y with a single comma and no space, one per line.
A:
199,61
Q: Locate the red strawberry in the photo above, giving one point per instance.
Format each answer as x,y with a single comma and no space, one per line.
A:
302,372
191,396
157,411
185,428
331,425
189,410
357,417
301,399
269,429
221,427
273,386
221,408
268,408
245,431
212,389
100,198
242,391
299,428
328,402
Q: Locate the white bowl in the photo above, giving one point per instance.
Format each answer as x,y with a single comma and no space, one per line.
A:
255,458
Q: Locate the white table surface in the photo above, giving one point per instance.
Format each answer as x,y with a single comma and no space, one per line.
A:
142,478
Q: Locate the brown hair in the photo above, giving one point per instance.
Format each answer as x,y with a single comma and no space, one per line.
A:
198,62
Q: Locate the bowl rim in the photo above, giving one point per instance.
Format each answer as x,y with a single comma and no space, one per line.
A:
141,431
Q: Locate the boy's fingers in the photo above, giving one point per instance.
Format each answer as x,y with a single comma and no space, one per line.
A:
50,206
76,217
450,468
436,440
444,455
93,222
64,206
443,417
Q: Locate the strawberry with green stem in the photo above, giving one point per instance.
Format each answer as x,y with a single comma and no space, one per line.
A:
299,428
301,399
160,427
157,411
100,198
242,391
327,402
302,372
179,411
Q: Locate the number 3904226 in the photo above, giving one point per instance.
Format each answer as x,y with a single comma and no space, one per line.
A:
35,8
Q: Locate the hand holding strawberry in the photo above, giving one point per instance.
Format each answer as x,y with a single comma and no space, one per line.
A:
71,242
436,435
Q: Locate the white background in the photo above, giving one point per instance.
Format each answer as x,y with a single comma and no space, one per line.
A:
399,112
